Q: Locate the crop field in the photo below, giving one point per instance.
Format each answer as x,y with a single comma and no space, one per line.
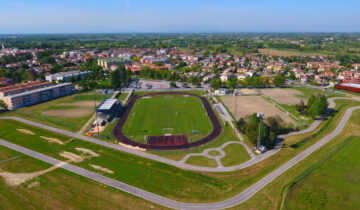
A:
69,113
288,52
167,114
335,184
253,104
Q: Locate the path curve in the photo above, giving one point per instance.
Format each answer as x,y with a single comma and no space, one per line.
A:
236,200
181,164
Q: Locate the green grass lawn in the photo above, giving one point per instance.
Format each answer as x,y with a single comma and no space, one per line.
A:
335,184
235,155
67,103
167,114
202,161
123,96
185,185
59,189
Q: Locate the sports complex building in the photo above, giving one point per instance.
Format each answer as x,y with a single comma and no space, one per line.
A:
26,94
355,88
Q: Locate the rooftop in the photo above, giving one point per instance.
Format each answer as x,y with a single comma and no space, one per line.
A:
38,90
107,104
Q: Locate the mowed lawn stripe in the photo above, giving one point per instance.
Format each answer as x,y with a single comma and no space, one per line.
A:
159,115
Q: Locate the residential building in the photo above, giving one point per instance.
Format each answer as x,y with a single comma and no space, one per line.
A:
65,76
27,98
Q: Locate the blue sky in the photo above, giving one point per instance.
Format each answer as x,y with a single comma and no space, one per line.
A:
123,16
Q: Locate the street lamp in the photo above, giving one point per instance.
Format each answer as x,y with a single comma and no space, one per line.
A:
261,116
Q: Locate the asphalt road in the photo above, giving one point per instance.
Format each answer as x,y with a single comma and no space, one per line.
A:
180,164
236,200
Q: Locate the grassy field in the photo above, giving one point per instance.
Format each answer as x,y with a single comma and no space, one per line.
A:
335,184
174,114
123,96
201,161
271,195
235,154
186,185
69,113
59,189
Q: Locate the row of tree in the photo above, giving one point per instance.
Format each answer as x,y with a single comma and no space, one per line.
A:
254,81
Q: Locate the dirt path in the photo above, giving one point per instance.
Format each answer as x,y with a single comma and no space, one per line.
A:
15,179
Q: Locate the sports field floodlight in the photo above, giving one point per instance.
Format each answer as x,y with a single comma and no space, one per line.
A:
261,116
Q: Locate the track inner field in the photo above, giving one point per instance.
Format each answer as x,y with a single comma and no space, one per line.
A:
165,114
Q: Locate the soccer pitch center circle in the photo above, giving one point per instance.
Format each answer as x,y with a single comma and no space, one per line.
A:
168,142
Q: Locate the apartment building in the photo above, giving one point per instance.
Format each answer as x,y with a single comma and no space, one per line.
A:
38,95
65,76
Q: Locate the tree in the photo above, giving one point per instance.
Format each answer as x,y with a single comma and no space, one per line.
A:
115,81
279,80
274,123
292,76
216,83
173,84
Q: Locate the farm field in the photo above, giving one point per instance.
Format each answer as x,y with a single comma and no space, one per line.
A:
288,52
69,112
334,184
253,104
167,114
287,96
186,185
58,188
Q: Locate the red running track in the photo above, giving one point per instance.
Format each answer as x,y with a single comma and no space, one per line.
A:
118,133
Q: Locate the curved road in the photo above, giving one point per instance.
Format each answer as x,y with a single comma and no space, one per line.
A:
238,199
181,164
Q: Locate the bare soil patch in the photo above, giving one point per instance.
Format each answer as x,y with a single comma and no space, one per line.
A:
88,152
286,96
245,91
80,103
52,140
253,104
72,157
102,169
25,131
68,113
15,179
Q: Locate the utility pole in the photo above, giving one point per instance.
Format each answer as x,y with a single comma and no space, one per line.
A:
261,116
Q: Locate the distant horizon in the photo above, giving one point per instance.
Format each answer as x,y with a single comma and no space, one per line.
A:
178,16
129,33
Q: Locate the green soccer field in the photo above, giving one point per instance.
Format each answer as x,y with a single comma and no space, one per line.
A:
167,114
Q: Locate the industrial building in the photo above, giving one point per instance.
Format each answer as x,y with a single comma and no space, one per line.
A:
355,88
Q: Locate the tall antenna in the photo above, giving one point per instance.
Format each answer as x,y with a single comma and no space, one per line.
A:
235,109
